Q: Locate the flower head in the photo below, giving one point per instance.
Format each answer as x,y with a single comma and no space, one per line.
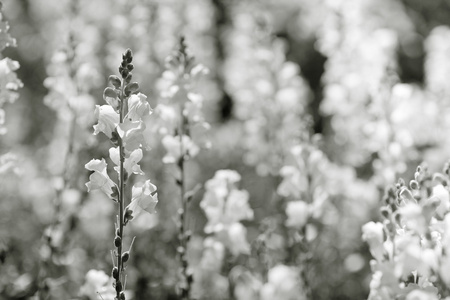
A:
138,107
143,198
108,119
100,179
297,213
175,148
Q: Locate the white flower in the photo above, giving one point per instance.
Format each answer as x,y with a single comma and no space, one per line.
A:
283,283
421,295
138,107
142,198
440,192
223,203
174,149
130,163
413,217
237,207
96,282
99,179
237,239
293,184
373,235
108,119
131,134
297,213
213,254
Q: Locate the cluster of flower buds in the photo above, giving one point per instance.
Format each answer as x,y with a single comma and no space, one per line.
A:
181,124
122,121
411,245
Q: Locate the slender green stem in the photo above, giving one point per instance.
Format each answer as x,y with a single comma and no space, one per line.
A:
121,200
185,294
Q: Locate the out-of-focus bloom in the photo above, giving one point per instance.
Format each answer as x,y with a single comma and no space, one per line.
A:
175,150
223,203
143,198
213,254
225,206
293,182
108,119
8,162
297,213
442,193
246,285
97,282
180,111
421,295
237,239
100,179
413,218
374,236
9,83
283,283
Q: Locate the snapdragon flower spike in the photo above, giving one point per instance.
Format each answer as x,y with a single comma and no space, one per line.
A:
180,121
411,245
122,121
9,82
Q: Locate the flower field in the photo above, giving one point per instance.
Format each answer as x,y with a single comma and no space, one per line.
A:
224,149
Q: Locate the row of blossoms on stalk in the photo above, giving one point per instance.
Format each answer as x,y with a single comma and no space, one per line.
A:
122,120
411,245
9,84
269,94
180,125
225,207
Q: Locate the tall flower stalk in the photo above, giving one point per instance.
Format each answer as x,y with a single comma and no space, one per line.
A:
122,120
9,86
185,105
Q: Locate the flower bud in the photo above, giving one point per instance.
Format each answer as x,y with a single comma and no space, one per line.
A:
115,193
128,216
115,81
384,212
132,87
128,77
117,241
119,286
128,53
190,278
115,273
125,256
414,185
122,296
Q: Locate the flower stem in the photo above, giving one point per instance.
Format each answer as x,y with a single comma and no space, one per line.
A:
121,200
183,235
